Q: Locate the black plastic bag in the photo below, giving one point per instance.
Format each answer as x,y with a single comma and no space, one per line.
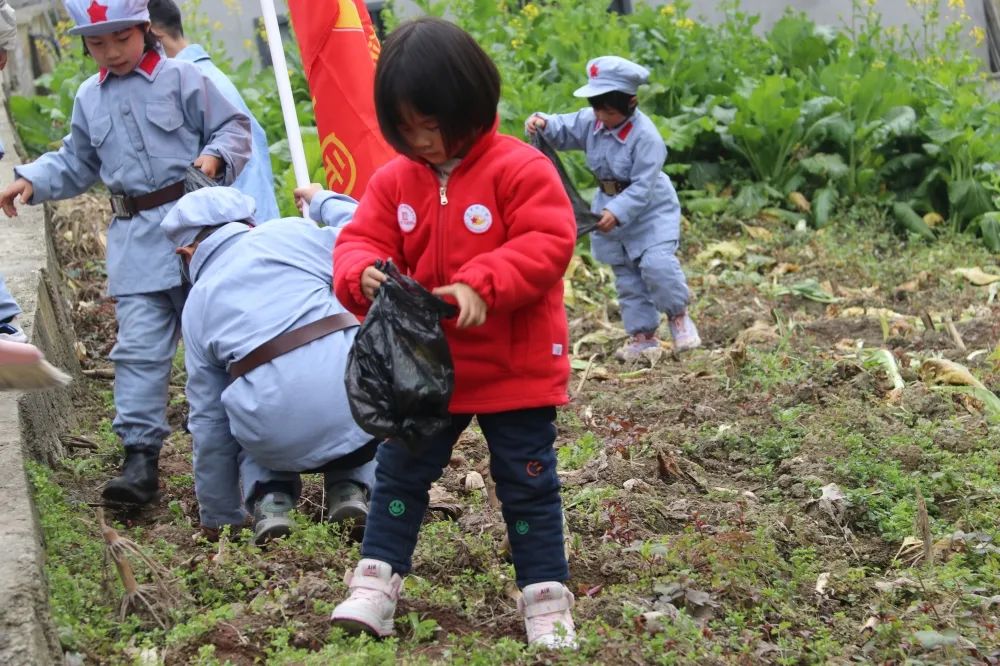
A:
195,179
399,372
585,220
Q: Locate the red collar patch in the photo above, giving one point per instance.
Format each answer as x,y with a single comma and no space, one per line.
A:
98,13
150,59
624,131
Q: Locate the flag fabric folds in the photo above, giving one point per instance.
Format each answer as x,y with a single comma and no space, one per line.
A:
339,50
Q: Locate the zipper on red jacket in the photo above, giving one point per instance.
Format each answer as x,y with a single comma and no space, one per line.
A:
443,194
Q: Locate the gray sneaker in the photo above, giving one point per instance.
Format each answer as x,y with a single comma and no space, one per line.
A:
347,500
270,517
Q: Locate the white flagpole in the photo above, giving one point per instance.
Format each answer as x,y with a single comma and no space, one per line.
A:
285,95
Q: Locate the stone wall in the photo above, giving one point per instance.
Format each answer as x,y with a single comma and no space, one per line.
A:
30,427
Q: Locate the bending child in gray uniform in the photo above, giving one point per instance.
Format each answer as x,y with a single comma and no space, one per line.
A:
263,409
639,229
136,126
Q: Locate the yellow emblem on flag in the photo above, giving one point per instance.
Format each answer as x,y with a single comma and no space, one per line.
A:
341,170
347,16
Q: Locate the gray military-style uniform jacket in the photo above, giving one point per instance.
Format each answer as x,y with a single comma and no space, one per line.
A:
648,210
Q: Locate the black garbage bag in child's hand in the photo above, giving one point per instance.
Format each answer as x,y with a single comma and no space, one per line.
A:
585,220
399,372
195,179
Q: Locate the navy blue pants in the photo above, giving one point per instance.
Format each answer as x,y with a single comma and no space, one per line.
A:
523,464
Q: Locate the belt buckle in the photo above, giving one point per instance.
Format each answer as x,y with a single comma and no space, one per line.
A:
119,206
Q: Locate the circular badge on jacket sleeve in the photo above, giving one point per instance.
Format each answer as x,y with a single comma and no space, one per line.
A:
478,218
407,217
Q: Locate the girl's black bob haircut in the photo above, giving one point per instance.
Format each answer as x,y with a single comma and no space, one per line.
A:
616,100
436,69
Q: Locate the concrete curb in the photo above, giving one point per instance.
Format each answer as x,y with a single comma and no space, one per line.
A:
30,425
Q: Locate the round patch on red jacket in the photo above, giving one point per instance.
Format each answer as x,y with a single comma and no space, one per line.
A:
478,218
407,217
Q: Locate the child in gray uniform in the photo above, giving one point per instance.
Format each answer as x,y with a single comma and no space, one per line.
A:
639,229
137,126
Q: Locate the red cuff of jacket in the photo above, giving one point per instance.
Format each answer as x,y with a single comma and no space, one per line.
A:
348,289
480,282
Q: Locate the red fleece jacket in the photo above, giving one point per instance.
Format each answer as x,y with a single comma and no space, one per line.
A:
505,227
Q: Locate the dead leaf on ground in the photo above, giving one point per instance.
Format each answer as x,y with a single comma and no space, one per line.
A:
799,201
474,481
757,233
727,250
698,603
759,333
943,371
654,622
785,267
976,276
901,583
443,501
822,582
833,502
870,624
636,486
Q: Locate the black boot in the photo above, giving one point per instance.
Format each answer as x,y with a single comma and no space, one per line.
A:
139,478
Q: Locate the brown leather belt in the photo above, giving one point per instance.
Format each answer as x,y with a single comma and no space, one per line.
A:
293,339
125,207
613,187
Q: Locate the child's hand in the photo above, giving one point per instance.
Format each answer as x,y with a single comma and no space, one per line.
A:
607,222
533,124
471,307
20,186
371,279
210,165
304,195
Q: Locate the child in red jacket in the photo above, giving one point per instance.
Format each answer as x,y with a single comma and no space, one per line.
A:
482,219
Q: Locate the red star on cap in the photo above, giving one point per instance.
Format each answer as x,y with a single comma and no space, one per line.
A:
98,12
593,69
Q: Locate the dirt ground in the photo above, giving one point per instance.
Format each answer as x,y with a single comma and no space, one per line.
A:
707,498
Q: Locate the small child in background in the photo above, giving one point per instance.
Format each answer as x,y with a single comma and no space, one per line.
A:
639,230
482,219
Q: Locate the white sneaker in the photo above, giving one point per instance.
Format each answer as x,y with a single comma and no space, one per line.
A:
684,333
547,619
372,603
11,333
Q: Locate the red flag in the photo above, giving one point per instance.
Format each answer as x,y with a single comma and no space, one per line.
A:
339,49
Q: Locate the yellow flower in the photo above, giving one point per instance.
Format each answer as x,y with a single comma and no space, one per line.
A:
531,10
668,10
956,4
684,23
516,43
978,34
878,64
